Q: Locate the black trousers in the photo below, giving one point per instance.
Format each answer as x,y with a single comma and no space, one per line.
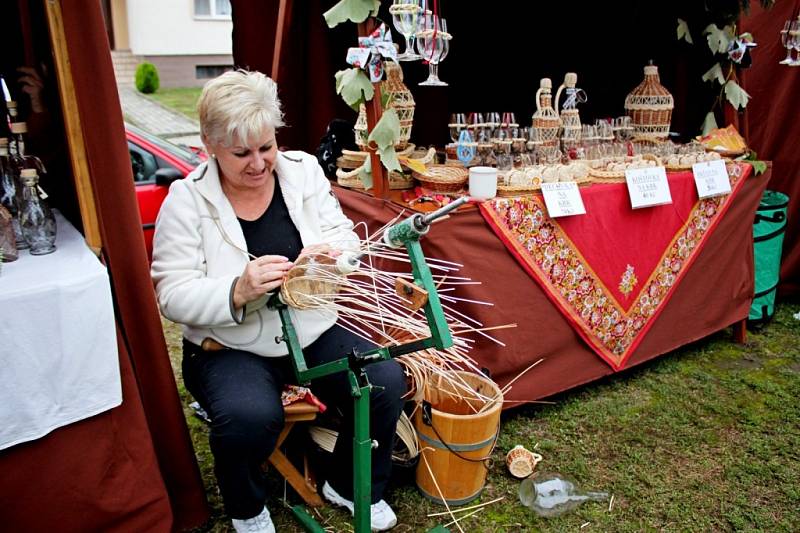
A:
241,392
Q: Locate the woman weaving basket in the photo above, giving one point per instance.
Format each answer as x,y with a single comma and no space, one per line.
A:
225,238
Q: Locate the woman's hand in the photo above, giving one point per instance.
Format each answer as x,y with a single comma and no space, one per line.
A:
31,83
321,249
259,277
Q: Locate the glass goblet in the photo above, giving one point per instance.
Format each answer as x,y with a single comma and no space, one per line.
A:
405,14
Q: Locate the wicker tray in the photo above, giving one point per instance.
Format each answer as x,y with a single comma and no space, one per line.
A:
443,178
614,176
508,191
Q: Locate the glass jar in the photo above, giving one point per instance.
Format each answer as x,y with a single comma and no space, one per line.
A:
35,217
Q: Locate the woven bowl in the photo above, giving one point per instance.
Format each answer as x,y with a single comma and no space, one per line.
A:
443,178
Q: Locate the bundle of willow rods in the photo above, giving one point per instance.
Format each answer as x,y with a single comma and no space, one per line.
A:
368,305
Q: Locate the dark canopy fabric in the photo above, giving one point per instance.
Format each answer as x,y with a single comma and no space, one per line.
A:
771,124
498,55
131,468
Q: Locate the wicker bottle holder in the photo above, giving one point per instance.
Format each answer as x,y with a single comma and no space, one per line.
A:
570,119
545,120
650,107
400,99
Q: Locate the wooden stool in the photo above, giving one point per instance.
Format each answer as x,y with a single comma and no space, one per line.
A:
304,483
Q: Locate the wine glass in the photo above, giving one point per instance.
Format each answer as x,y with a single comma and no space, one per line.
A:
786,41
430,45
458,122
794,39
405,15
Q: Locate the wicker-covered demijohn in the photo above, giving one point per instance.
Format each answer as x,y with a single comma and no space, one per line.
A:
400,99
570,118
650,107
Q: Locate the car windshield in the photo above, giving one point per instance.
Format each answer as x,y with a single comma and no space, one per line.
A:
178,151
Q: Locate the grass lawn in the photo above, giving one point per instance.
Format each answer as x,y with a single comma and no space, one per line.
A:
182,99
705,439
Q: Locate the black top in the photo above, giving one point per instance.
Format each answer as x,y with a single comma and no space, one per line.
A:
273,233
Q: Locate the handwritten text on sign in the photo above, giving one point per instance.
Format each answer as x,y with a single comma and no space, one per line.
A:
711,178
563,199
648,186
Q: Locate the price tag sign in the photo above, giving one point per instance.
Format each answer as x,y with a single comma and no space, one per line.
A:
648,187
711,178
563,199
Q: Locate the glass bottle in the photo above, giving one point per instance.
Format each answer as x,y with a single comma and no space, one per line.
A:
550,494
11,191
35,217
8,242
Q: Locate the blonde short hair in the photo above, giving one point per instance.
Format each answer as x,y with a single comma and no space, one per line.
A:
238,106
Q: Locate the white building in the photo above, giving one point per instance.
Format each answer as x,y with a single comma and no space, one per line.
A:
189,41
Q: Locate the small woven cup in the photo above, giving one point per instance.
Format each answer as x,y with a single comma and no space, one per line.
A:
521,461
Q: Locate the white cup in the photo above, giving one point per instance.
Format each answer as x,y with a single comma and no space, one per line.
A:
483,183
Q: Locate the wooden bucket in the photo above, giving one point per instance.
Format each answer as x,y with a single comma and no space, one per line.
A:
463,427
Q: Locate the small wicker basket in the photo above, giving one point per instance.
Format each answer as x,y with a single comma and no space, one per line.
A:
650,107
397,180
443,178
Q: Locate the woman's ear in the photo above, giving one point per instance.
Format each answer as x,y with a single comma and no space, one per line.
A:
207,145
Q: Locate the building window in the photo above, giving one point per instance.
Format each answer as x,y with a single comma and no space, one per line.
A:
220,9
205,72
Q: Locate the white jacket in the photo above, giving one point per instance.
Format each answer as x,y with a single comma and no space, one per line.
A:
199,251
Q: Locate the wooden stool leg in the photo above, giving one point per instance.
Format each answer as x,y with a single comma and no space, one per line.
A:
295,478
740,331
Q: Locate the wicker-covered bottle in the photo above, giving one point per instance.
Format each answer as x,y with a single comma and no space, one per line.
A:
650,107
570,119
400,99
545,119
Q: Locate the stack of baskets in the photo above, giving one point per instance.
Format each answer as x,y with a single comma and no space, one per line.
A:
650,107
400,99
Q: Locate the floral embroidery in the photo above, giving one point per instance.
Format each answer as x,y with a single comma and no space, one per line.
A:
629,281
559,268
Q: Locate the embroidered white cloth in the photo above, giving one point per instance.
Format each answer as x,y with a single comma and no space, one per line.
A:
58,344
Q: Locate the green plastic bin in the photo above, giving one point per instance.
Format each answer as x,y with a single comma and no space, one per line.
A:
768,230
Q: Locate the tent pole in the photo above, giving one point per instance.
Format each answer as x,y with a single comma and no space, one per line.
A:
282,28
72,124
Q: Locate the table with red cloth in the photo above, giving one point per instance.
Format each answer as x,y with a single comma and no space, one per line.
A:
660,277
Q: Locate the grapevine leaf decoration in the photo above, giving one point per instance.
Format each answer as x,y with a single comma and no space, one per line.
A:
385,134
683,31
354,87
715,73
718,39
413,164
710,123
352,10
736,95
365,175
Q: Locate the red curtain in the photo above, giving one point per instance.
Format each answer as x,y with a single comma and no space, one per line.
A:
771,126
131,468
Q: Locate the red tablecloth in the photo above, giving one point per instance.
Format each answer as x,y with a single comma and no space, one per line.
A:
714,293
612,271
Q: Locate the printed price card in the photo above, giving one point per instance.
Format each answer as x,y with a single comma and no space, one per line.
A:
648,186
711,178
563,199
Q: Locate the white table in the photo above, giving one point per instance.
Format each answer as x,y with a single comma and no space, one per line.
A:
58,344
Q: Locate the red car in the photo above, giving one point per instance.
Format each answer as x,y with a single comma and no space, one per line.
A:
156,164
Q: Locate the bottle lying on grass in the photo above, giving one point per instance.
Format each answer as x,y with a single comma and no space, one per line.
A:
549,494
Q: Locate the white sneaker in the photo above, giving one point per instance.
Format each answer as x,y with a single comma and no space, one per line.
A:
258,524
381,515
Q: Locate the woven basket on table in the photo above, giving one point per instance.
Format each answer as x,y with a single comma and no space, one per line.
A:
397,180
443,178
617,176
650,107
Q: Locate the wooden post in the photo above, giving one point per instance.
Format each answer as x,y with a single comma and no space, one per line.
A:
281,30
72,124
380,180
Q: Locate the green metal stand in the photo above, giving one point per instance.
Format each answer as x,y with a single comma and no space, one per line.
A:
405,234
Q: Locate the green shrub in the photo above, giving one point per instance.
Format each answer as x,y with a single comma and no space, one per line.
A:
146,78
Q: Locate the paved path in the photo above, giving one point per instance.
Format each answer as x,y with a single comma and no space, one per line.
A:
155,118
